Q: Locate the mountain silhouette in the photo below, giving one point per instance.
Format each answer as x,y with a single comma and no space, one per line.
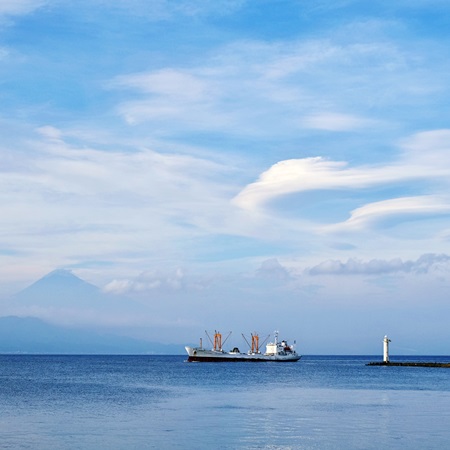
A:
62,297
61,313
31,335
61,288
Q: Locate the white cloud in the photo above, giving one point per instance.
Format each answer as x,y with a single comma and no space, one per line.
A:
166,10
335,122
63,168
307,174
189,98
154,282
172,83
50,132
74,203
120,287
429,150
406,207
4,53
428,263
275,276
425,158
272,269
256,88
18,7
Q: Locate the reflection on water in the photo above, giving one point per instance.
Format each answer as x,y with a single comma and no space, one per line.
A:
165,403
316,418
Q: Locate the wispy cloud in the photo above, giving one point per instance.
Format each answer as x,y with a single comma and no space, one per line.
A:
424,158
335,122
18,7
274,275
272,269
109,200
257,87
406,208
429,263
166,10
155,281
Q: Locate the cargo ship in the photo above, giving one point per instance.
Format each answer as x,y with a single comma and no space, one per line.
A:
276,351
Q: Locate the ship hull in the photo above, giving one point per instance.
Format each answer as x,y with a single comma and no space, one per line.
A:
202,355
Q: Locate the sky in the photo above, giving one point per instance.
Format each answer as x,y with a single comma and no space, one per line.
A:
240,164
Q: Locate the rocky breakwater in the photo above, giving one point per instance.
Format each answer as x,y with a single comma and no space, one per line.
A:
410,364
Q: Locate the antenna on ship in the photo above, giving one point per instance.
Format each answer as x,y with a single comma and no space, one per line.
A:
226,339
276,337
209,338
245,339
265,340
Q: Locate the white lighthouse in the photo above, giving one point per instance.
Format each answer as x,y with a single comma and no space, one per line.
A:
386,341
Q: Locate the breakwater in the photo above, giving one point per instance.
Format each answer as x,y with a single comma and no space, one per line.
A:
410,364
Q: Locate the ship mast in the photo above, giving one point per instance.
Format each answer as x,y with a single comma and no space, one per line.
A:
217,341
255,343
217,344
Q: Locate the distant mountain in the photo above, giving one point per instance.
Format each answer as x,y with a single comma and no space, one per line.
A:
31,335
62,288
59,281
61,313
62,297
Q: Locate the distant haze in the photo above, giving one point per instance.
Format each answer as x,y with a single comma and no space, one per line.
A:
83,318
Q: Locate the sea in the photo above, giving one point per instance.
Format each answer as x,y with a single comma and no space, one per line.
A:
164,402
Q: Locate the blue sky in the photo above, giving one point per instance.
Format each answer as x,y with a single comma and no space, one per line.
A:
285,159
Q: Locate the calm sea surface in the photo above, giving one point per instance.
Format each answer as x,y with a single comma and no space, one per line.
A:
163,402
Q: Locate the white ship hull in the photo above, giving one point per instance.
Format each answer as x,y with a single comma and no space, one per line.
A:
204,355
